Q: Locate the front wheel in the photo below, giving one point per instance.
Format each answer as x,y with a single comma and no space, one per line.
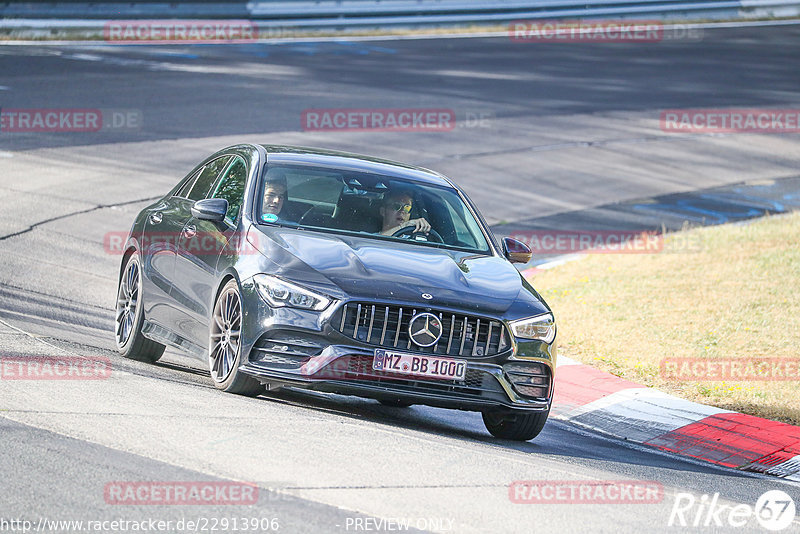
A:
514,424
130,315
225,345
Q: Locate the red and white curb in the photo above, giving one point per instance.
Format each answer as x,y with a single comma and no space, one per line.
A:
605,403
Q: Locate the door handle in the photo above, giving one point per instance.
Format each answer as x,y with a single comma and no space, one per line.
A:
156,217
190,231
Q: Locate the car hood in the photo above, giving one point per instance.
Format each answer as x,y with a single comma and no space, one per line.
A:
396,271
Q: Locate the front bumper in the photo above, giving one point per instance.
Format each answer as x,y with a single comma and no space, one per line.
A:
290,347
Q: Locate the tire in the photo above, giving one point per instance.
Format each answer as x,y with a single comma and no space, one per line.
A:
129,316
395,403
514,425
224,346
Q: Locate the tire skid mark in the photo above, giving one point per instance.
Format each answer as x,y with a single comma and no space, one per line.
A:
577,144
66,311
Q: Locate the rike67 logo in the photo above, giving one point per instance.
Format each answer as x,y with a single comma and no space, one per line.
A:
774,510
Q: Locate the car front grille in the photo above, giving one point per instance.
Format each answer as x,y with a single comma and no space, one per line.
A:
387,326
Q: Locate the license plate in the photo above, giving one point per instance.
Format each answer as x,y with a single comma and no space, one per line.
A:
419,365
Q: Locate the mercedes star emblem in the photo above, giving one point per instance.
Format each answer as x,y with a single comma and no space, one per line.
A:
425,329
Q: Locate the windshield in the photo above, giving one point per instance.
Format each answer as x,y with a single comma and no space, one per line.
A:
373,205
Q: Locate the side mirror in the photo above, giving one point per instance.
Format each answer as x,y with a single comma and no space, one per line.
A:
210,209
516,251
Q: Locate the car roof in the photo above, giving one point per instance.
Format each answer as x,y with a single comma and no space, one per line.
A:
283,154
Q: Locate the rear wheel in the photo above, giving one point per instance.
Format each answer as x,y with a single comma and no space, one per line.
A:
515,425
225,347
130,316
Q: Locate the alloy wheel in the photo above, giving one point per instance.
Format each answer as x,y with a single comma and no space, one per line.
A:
225,334
127,303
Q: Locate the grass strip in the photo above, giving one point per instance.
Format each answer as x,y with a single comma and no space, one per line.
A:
732,298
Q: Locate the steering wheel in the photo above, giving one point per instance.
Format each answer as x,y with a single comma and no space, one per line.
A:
308,215
412,233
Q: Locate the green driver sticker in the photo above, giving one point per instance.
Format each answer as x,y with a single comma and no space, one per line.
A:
269,217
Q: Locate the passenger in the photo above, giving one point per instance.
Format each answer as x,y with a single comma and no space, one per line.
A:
274,198
396,214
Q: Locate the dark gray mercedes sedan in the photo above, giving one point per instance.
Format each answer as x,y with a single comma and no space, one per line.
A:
297,267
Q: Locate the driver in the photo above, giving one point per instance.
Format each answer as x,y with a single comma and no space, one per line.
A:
396,212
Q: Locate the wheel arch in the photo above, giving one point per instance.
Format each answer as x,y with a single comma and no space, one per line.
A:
130,249
227,276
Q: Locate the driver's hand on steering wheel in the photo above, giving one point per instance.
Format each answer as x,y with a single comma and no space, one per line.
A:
421,225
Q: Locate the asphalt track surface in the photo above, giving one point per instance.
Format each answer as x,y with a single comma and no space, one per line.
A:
568,128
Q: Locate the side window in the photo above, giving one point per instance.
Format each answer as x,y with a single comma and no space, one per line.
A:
183,192
231,188
209,174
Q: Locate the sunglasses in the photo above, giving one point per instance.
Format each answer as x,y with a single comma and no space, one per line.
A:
405,208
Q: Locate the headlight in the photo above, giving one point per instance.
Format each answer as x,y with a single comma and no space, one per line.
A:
280,293
541,327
